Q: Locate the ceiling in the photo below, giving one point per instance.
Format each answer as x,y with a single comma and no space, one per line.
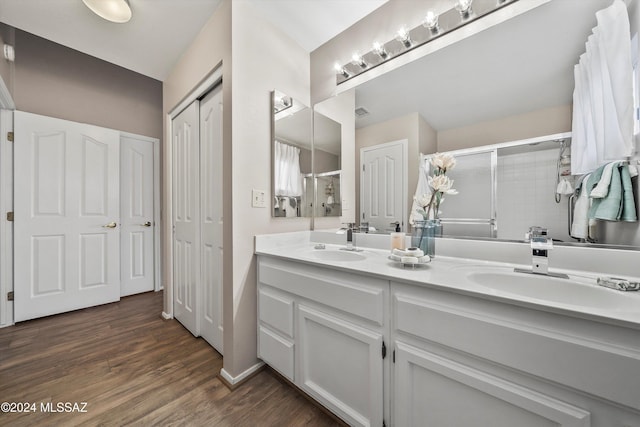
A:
160,30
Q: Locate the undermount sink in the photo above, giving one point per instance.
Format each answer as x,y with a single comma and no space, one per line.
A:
337,255
551,289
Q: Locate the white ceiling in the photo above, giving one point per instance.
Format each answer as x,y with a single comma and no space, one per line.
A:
313,22
160,30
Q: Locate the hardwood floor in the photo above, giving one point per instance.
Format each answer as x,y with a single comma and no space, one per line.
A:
131,367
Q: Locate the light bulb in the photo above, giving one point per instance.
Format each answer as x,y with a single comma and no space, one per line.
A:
380,50
404,37
464,7
357,60
431,20
340,70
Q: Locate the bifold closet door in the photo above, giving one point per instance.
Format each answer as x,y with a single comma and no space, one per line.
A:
67,210
211,217
186,217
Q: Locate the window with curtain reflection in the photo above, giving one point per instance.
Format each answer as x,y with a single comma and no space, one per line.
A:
288,180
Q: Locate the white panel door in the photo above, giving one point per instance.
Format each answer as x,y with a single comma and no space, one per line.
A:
67,241
383,185
211,217
186,217
136,213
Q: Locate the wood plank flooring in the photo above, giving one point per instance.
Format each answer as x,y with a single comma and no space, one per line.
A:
131,367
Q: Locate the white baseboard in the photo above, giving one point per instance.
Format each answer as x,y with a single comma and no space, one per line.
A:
239,378
166,316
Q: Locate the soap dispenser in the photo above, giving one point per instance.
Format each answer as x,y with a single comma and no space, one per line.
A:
397,238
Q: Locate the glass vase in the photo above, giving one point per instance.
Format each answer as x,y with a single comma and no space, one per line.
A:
423,235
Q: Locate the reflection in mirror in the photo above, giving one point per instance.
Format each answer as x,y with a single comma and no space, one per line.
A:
291,152
509,82
504,189
327,165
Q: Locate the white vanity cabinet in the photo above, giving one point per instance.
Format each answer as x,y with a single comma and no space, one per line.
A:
452,358
325,331
463,361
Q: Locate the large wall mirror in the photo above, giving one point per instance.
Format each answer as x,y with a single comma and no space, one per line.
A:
508,83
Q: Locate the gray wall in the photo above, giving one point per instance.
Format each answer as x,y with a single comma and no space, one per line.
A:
56,81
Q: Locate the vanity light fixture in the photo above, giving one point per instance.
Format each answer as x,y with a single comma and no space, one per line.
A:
435,24
357,60
431,21
380,50
118,11
404,37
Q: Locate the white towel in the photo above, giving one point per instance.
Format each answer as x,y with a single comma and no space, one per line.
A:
602,188
421,189
564,187
580,225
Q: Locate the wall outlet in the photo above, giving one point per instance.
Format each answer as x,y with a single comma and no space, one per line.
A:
258,199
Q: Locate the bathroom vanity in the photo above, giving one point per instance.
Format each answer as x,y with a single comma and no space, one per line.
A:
457,342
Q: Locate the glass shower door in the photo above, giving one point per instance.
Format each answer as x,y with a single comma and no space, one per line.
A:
471,212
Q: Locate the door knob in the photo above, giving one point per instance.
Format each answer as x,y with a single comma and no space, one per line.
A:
110,225
146,224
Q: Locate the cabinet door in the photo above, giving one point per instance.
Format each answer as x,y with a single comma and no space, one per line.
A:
430,390
340,365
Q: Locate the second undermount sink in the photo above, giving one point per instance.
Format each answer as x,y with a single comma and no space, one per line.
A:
551,289
337,255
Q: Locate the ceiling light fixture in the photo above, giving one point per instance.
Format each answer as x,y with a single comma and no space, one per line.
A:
117,11
433,26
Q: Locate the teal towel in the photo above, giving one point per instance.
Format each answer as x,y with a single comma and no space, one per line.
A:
610,207
628,201
619,204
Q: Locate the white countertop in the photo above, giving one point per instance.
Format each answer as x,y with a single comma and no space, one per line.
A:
579,296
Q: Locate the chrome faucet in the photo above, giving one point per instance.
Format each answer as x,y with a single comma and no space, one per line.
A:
351,241
540,244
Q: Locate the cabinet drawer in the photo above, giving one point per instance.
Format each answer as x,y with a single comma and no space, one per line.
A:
276,311
276,351
357,295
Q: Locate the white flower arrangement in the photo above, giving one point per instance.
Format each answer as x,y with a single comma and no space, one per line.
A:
439,183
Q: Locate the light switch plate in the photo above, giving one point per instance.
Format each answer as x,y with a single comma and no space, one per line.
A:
258,199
